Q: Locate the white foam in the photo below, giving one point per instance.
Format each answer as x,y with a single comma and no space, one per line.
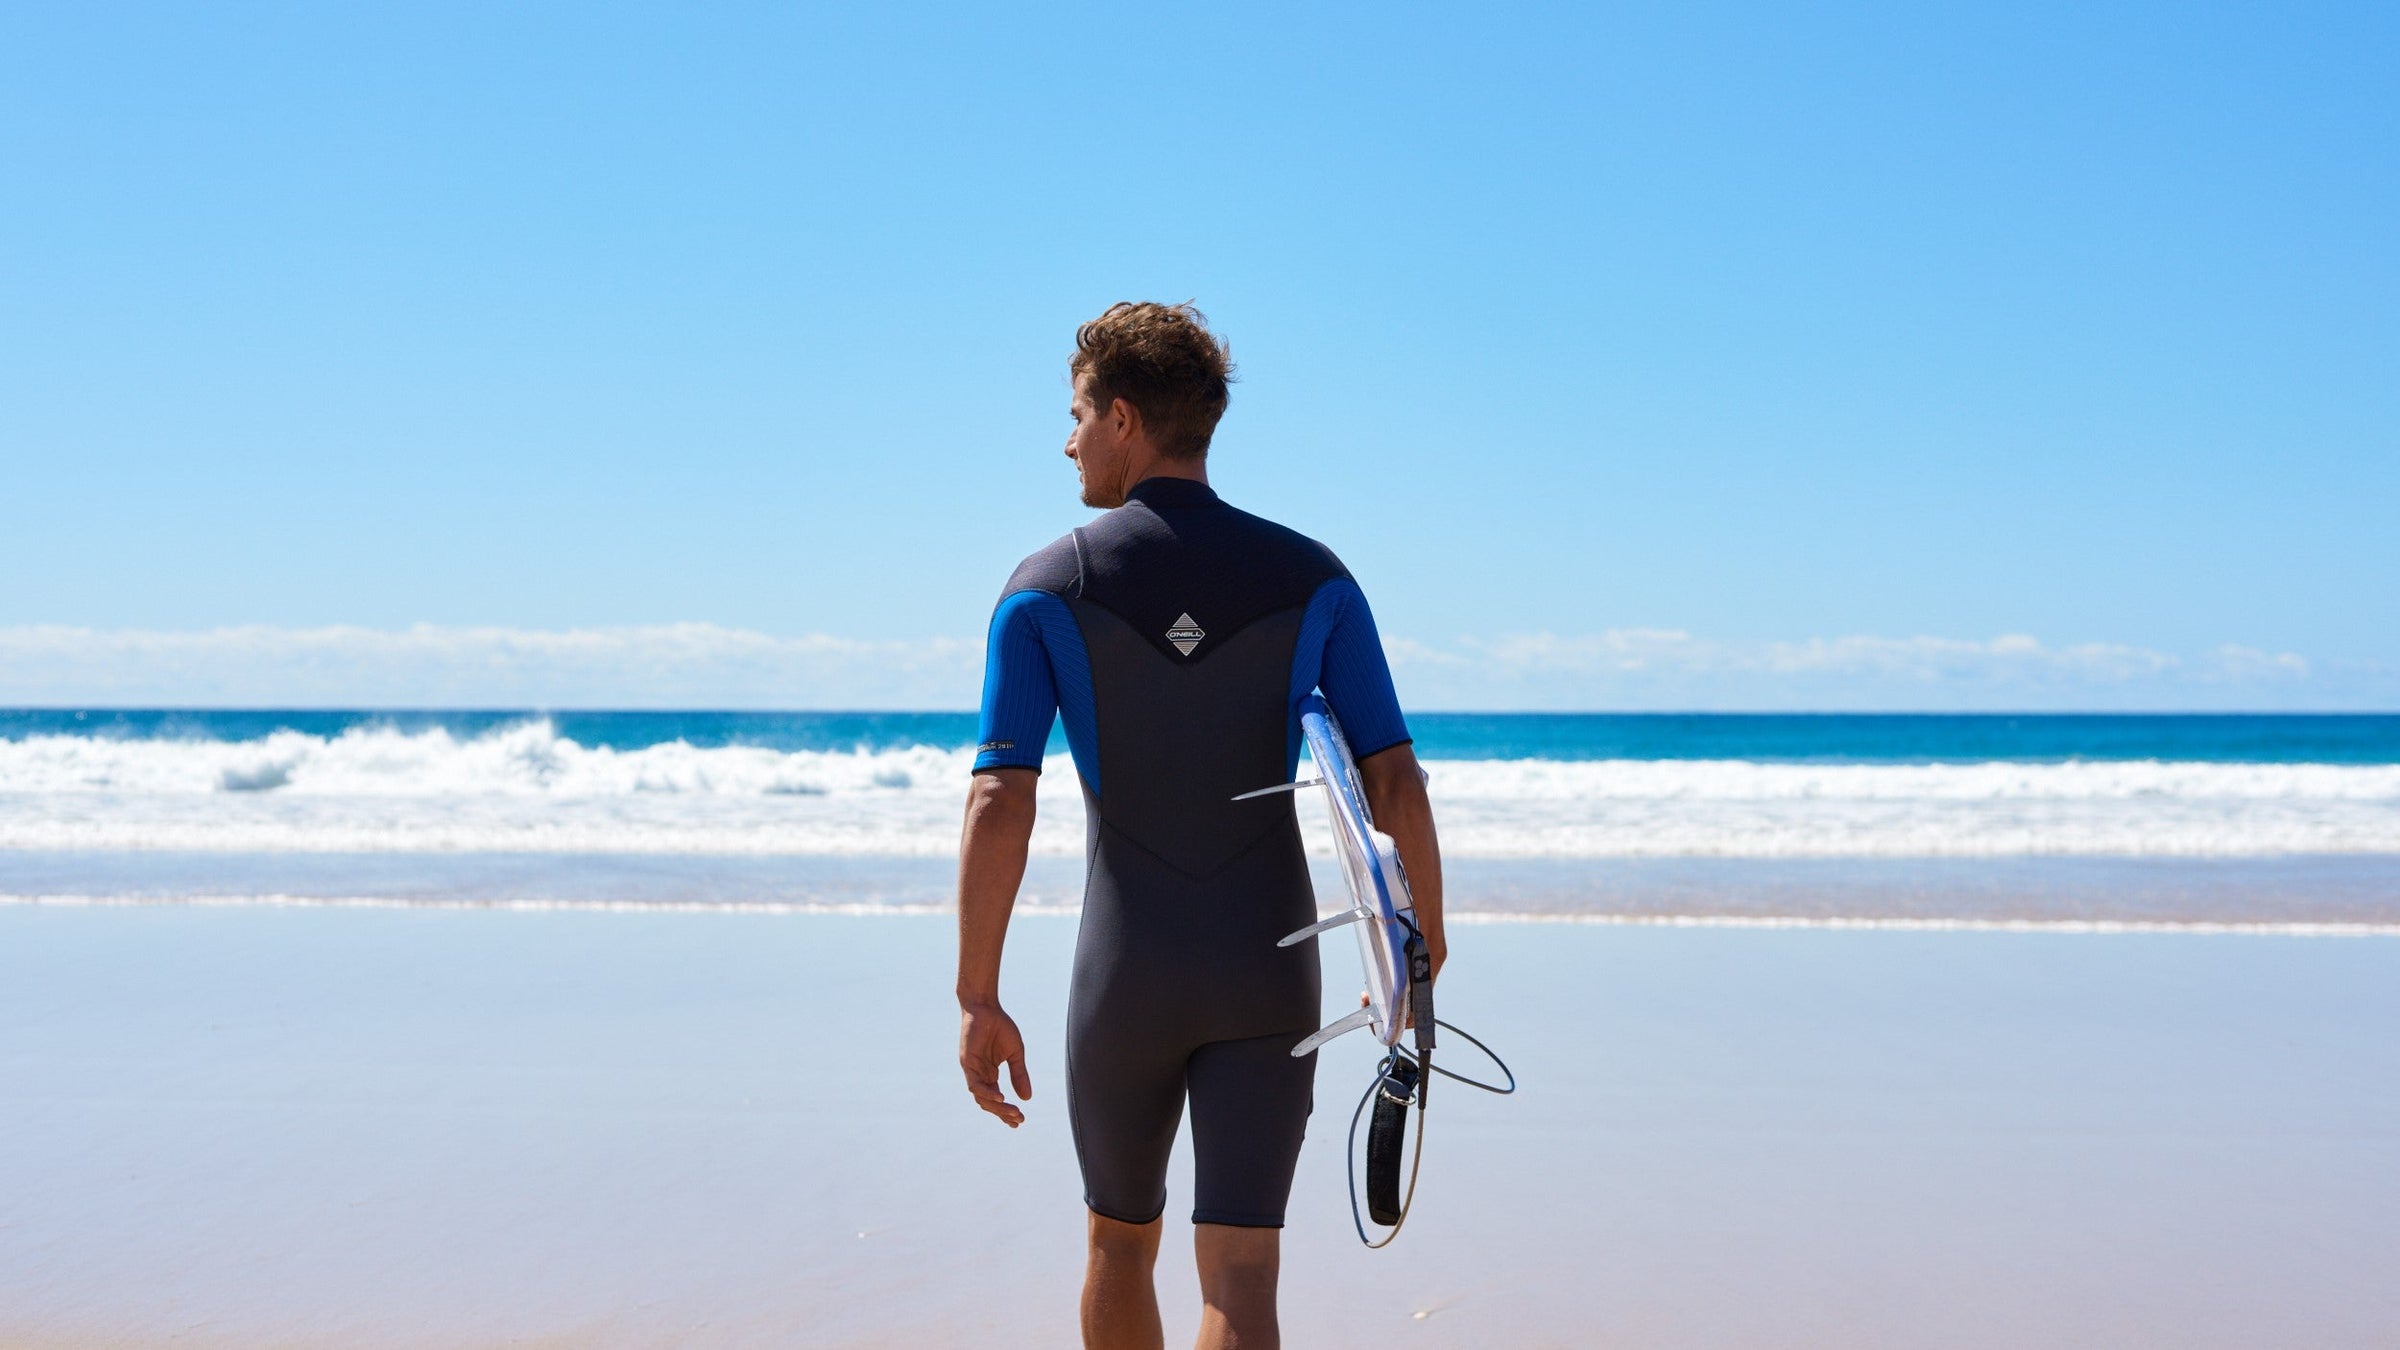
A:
513,904
1737,809
2191,927
528,759
525,788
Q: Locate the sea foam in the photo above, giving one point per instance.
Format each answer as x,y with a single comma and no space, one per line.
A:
526,788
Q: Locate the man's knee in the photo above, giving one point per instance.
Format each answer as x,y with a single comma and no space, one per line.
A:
1233,1257
1114,1240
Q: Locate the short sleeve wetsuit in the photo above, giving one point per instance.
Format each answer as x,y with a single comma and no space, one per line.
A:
1176,636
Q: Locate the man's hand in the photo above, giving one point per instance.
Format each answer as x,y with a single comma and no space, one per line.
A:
1408,1016
987,1038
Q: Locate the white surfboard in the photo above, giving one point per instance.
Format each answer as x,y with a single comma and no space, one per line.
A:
1380,913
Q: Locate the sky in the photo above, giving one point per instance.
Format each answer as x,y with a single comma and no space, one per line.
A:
1674,356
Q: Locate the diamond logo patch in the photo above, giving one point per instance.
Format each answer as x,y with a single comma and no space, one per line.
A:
1185,634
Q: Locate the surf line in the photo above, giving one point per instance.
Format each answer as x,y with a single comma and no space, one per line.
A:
1908,924
2303,928
516,905
1042,910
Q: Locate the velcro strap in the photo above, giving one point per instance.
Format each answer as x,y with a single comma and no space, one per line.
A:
1420,990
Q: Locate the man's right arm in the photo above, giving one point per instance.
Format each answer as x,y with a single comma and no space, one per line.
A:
991,863
1020,698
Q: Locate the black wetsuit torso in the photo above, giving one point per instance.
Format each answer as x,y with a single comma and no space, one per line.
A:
1199,628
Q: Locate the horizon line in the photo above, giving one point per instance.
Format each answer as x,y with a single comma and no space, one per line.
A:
547,709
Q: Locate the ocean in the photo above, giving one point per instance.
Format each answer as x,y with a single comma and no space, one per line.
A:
2093,820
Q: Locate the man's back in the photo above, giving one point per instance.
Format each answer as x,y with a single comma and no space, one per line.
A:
1176,634
1191,615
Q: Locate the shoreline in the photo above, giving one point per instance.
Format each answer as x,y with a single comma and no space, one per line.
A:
2310,894
1474,917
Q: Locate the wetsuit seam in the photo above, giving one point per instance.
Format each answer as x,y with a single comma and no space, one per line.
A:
1236,856
1230,1219
1118,1218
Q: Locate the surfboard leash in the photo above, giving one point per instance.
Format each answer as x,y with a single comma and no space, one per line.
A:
1400,1081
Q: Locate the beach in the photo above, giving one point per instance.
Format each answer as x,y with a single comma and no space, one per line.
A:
365,1126
566,559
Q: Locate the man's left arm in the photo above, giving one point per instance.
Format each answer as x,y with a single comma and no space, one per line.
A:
1358,683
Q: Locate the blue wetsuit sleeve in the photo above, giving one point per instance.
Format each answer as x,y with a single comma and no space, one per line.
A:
1020,693
1350,668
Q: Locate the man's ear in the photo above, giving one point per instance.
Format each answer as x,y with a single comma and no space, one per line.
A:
1125,419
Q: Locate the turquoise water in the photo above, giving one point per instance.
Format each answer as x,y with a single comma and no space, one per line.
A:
1774,737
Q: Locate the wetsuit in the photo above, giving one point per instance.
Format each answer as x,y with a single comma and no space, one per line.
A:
1175,636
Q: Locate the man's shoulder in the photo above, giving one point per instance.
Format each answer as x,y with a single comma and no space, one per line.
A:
1132,542
1056,567
1297,549
1217,567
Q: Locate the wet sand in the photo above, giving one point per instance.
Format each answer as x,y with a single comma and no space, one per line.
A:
2345,889
385,1127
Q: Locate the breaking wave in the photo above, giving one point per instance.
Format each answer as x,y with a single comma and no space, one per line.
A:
526,788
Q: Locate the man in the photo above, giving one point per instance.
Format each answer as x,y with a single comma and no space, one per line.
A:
1175,635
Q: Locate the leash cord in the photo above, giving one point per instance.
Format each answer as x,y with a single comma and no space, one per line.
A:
1416,1159
1423,1060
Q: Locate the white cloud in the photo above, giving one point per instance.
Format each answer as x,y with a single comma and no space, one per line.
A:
704,665
2011,655
1616,649
2236,662
684,664
1670,668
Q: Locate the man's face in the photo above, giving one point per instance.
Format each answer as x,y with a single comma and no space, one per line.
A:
1098,447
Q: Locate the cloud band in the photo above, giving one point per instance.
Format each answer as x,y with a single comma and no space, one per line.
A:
706,665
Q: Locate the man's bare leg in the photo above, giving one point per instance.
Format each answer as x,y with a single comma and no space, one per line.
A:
1238,1267
1120,1301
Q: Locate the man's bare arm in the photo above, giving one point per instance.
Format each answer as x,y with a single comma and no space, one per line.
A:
1396,797
991,863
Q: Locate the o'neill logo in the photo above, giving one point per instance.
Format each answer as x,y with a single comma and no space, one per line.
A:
1185,634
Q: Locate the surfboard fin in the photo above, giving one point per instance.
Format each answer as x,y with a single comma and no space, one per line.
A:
1279,787
1323,926
1332,1029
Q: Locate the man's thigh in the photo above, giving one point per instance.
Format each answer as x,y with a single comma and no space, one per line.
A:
1250,1104
1124,1099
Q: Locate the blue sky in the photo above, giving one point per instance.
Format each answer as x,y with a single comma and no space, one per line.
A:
1681,356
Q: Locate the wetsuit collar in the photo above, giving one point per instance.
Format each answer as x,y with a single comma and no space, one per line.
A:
1157,492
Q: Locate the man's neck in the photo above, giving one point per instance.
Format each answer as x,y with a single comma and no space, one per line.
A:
1152,464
